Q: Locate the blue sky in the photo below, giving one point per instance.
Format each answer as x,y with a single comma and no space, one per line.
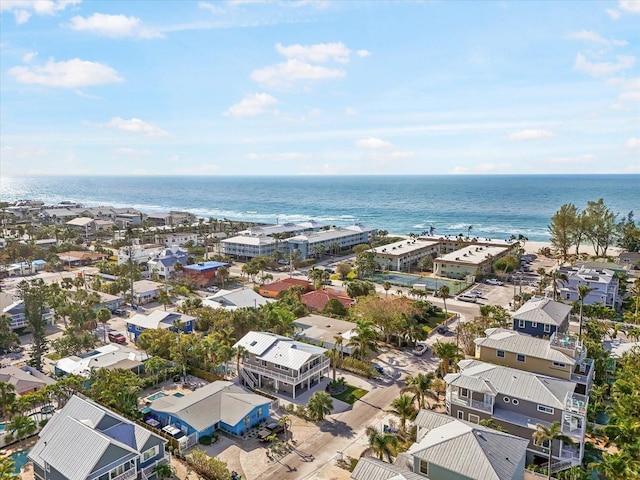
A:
250,87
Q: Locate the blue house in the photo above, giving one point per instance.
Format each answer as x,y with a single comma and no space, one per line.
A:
542,317
158,319
85,441
221,405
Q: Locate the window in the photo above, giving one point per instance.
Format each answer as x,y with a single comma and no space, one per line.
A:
147,454
464,392
521,358
547,328
460,415
534,324
506,399
500,353
474,418
545,409
559,364
515,401
521,323
424,467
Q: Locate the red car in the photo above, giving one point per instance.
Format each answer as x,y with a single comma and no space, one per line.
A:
117,338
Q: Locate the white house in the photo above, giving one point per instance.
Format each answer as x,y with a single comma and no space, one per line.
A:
164,262
603,282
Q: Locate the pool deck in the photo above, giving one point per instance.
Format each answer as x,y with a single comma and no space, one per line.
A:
27,471
169,387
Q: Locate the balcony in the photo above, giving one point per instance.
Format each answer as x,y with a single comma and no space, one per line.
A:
131,473
291,379
148,470
454,398
568,343
583,372
576,403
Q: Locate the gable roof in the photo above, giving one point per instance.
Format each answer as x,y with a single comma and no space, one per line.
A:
532,387
285,284
480,453
369,468
158,319
279,350
319,298
80,221
515,342
231,300
79,438
220,401
24,378
543,310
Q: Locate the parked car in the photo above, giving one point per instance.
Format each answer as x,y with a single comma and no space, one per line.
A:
420,348
493,281
465,297
213,289
47,409
119,312
378,368
475,293
116,337
273,428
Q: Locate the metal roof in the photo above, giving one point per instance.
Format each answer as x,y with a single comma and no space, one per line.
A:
158,319
369,468
480,453
511,341
242,298
543,310
279,350
514,383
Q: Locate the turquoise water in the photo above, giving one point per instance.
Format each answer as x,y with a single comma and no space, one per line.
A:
407,280
178,394
496,206
2,427
156,396
20,459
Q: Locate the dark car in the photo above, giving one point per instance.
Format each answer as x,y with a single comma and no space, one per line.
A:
117,338
273,428
378,368
119,312
47,409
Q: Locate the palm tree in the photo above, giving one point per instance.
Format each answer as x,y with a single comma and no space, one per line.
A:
285,421
491,423
421,386
7,397
22,426
319,406
7,469
338,341
164,471
447,352
443,293
382,445
387,286
241,353
223,274
164,299
583,292
558,279
365,339
334,357
617,466
547,435
104,315
403,408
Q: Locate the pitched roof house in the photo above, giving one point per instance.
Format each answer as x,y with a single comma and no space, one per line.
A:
541,317
24,378
317,299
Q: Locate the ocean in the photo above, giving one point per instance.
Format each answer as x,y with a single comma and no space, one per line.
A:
494,206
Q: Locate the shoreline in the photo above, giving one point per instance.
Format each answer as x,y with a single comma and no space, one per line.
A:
535,246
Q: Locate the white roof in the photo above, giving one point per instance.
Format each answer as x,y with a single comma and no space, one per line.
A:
323,236
279,350
543,310
107,356
249,240
80,222
472,254
403,247
158,319
234,299
515,342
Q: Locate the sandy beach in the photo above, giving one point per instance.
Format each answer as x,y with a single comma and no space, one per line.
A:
534,247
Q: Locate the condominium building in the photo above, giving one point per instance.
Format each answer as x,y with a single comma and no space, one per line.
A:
472,260
404,254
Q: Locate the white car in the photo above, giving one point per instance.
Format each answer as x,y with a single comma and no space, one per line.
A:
493,281
212,289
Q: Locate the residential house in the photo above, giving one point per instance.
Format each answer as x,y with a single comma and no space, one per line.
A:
108,301
234,299
13,307
603,283
81,258
124,220
370,468
518,401
220,405
280,364
163,263
204,273
159,319
541,317
85,441
561,356
138,254
629,260
402,255
24,379
473,260
84,226
109,356
273,290
147,291
46,243
169,239
57,216
318,299
323,331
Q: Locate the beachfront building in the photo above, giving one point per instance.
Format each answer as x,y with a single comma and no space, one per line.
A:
517,401
84,226
561,356
325,241
204,273
24,379
57,216
402,255
280,364
13,307
246,247
159,319
283,229
220,405
471,261
603,282
542,317
109,356
163,263
234,299
147,291
85,441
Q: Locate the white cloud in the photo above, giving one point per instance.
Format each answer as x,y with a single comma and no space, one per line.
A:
113,26
373,143
492,167
614,14
629,6
251,105
632,96
589,36
596,69
22,152
363,53
66,74
280,157
135,125
580,159
352,112
29,56
134,152
287,74
459,170
318,53
531,134
633,143
210,7
202,169
23,9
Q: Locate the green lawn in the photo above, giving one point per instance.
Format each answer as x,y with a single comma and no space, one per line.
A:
351,394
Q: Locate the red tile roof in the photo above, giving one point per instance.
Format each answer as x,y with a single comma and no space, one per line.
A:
273,289
317,299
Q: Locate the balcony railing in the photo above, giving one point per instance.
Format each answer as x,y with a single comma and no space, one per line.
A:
148,470
453,397
576,403
131,473
583,372
568,342
292,379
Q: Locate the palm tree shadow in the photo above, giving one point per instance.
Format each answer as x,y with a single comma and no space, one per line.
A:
337,428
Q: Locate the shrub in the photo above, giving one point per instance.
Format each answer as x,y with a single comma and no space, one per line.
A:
43,422
359,367
207,466
205,440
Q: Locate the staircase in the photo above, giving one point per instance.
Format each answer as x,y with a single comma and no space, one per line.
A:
561,465
248,378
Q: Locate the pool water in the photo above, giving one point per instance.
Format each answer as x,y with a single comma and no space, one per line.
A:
20,459
2,427
156,396
178,394
408,280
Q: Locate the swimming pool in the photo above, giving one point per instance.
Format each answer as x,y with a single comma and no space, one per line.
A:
2,428
408,280
20,459
178,394
155,396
